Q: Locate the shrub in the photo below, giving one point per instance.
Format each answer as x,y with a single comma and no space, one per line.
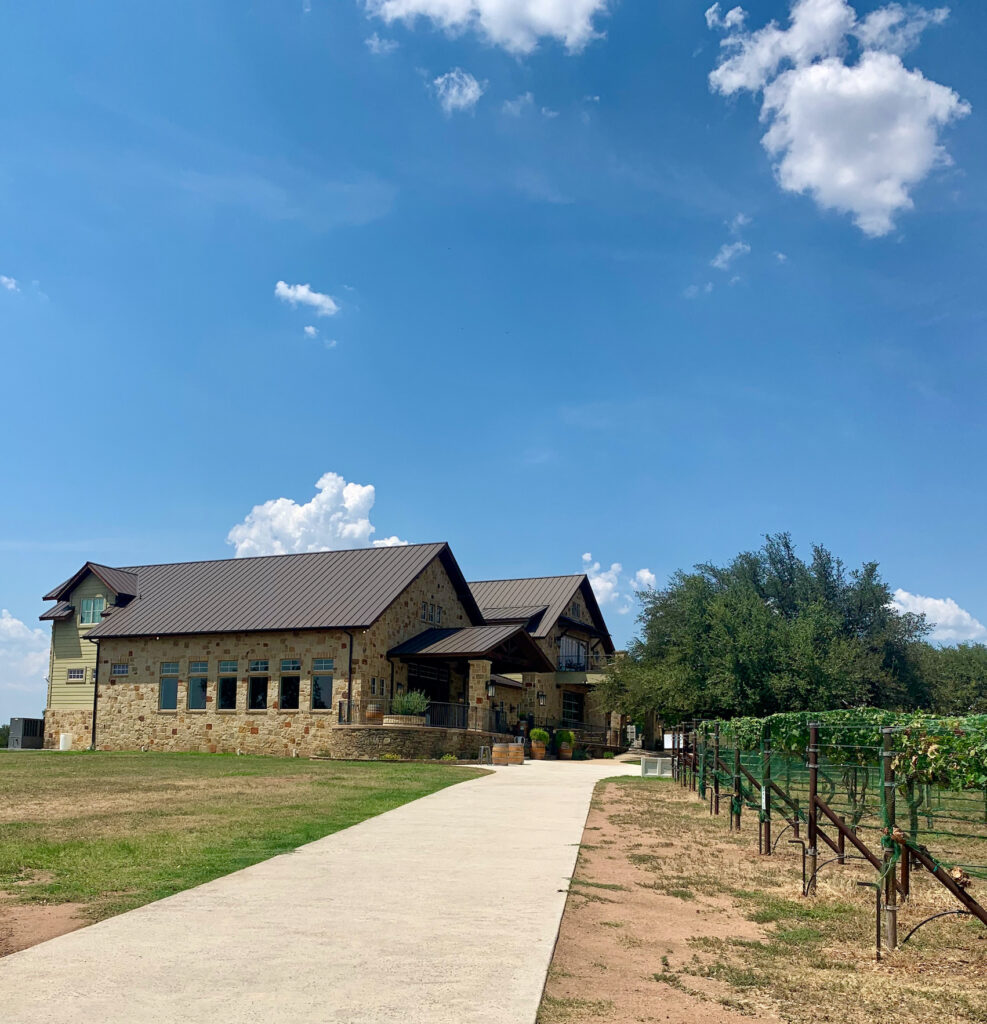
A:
539,735
448,757
414,702
564,736
391,757
608,755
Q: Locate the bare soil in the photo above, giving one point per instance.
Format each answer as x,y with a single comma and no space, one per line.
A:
672,919
27,924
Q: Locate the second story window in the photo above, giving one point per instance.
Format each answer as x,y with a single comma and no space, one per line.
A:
424,611
119,669
91,610
76,675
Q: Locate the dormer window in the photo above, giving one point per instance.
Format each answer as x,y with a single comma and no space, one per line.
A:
91,610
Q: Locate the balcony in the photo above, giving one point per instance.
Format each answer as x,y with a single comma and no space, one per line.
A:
584,662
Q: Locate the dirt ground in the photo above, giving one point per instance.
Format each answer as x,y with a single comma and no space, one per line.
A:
672,919
27,924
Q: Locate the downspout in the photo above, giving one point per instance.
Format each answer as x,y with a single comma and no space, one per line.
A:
349,681
92,741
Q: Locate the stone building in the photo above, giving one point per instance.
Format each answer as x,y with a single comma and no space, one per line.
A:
313,653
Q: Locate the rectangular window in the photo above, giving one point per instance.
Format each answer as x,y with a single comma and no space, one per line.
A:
91,610
228,668
289,693
431,613
257,694
322,665
76,675
373,686
198,668
169,668
258,666
572,654
119,669
227,693
573,707
438,615
321,693
424,611
168,688
291,665
197,693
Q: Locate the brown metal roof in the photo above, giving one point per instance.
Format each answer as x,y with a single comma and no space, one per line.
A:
500,680
62,610
317,590
555,592
518,613
123,582
498,643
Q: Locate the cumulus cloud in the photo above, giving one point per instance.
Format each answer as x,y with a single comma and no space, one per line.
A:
380,47
336,518
517,106
302,294
952,623
9,283
729,251
457,90
734,18
517,25
311,332
850,126
645,579
23,666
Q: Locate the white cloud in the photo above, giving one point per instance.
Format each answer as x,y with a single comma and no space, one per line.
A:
605,582
9,283
458,90
23,665
380,47
729,251
517,25
302,294
516,107
312,332
645,579
337,518
734,18
859,136
548,112
693,291
330,343
738,222
952,623
781,257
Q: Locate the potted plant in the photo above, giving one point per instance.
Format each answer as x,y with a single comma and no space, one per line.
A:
408,709
539,743
563,744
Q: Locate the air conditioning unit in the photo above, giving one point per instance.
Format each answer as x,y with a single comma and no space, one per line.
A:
26,734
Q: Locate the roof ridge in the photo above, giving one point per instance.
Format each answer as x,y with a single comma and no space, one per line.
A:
517,579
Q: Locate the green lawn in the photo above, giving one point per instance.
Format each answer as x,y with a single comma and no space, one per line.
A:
114,831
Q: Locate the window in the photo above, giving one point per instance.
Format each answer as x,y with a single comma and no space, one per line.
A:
119,669
424,611
373,686
258,666
438,615
431,613
289,693
257,693
75,675
228,668
291,665
197,692
198,668
574,610
92,610
168,686
322,664
321,693
572,654
573,705
227,693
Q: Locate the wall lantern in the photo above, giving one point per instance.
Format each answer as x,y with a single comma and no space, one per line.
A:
491,689
541,698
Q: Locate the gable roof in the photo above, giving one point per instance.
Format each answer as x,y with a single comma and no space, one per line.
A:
315,590
499,643
499,598
62,610
123,582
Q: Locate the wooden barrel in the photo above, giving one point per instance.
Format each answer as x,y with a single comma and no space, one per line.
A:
500,753
515,753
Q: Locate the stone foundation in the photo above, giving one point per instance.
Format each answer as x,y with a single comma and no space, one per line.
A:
368,742
78,723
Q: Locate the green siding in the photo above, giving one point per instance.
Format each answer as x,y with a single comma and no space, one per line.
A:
71,649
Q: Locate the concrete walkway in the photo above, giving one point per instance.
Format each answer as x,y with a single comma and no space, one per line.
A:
442,911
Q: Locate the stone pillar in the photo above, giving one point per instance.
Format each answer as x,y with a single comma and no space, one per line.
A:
477,691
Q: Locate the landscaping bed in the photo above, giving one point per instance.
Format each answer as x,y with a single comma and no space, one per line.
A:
84,836
670,918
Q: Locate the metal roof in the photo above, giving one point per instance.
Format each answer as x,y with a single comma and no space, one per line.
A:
518,613
123,582
506,642
554,592
315,590
62,610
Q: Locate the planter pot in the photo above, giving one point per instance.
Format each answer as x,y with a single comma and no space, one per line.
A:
403,720
565,752
537,751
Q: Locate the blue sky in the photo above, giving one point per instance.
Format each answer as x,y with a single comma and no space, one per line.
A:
563,299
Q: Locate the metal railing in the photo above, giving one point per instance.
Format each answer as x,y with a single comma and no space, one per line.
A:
437,715
583,662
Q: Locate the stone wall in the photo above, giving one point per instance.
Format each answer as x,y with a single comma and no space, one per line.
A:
365,742
78,723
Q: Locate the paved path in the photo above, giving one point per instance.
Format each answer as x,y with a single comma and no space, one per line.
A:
442,911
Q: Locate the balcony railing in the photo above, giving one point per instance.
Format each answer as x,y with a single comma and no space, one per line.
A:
584,662
438,715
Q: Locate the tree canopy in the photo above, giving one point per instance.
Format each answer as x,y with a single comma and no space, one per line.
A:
771,632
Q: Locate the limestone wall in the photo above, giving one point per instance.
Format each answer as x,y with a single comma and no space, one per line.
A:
77,722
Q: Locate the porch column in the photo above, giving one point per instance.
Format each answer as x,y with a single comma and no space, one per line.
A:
477,690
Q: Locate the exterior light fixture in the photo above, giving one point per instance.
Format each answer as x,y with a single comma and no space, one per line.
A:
491,689
541,698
